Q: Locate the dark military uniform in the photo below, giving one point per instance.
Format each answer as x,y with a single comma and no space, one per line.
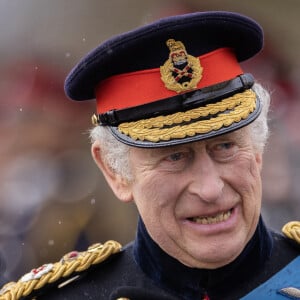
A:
142,271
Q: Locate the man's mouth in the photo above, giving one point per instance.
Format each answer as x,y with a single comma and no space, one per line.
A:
221,217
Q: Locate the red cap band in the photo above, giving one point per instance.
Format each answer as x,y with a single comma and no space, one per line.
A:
141,87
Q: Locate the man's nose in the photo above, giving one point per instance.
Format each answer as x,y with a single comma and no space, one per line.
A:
207,182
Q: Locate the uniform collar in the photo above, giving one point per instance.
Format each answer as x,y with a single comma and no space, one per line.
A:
189,283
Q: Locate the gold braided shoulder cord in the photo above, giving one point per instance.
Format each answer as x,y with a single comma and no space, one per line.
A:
292,230
240,106
50,273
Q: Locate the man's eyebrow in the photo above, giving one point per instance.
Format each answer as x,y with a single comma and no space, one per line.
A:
238,135
166,150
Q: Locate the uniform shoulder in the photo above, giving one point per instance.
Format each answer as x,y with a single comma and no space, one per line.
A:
291,230
60,273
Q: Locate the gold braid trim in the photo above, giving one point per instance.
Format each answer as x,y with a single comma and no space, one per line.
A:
232,109
292,230
67,266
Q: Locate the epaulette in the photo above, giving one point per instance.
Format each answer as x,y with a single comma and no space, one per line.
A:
60,273
292,231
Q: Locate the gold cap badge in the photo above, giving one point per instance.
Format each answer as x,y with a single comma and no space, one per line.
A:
181,72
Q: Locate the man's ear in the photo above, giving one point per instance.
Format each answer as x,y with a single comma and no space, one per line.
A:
119,185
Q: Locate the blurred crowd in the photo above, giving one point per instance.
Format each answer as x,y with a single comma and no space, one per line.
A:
53,199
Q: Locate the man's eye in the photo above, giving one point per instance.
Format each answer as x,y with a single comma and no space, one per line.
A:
224,146
176,156
224,150
177,160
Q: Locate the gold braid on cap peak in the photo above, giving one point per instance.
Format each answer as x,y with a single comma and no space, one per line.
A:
224,113
71,264
292,230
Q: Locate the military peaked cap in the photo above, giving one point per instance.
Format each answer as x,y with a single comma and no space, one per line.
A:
173,81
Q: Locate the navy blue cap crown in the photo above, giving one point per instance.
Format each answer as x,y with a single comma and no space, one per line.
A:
142,49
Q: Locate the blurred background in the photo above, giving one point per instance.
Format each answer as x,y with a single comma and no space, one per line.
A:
52,197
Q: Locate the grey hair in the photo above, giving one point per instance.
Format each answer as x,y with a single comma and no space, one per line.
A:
116,153
259,129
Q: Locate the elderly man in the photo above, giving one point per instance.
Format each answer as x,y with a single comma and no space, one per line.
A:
180,131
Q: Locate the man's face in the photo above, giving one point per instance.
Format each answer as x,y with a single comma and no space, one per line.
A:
201,201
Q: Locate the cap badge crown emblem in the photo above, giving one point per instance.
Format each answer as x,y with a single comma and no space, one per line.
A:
181,72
